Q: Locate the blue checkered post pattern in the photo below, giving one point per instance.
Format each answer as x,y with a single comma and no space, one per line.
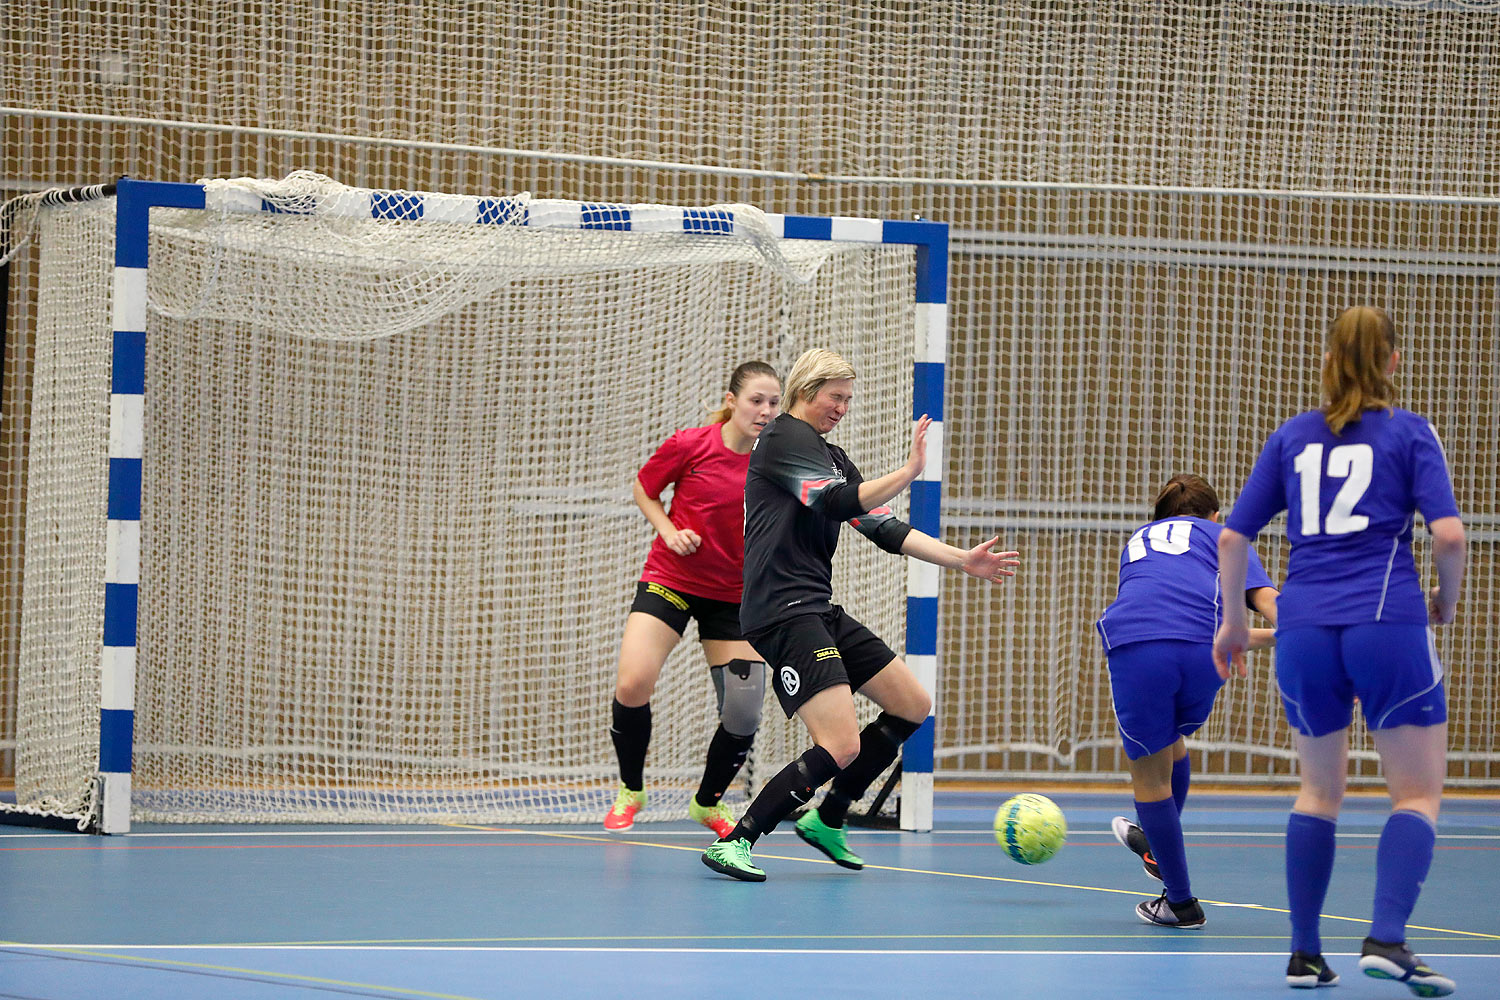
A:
127,411
922,579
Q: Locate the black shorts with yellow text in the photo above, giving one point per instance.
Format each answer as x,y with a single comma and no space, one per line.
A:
812,652
716,619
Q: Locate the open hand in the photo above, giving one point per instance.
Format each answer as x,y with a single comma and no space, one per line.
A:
987,565
917,460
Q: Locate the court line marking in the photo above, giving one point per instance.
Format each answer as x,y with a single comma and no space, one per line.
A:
471,831
89,953
449,830
581,939
460,829
594,838
947,952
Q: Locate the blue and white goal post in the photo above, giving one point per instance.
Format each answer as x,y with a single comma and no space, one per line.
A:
128,434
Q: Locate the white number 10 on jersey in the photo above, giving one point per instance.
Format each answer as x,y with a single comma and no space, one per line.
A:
1171,537
1349,462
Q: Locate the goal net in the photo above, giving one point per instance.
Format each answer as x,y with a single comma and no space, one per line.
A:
386,540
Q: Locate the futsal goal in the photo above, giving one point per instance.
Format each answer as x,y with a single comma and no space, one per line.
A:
328,509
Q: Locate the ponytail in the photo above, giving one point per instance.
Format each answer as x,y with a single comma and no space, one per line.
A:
737,381
1185,495
1360,346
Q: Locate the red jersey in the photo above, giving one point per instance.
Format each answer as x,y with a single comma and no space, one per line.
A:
710,499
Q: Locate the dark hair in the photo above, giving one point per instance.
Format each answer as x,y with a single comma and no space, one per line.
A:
737,381
1354,380
1186,494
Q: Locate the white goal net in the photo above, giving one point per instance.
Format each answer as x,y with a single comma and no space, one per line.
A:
388,545
1155,211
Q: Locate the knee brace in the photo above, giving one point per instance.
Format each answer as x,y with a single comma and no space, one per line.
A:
740,686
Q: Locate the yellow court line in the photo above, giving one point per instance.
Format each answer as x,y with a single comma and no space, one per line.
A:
456,943
590,838
289,976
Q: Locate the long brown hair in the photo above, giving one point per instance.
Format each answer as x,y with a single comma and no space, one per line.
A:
1186,494
737,380
1360,346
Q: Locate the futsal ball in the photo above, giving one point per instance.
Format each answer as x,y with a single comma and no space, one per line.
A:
1031,828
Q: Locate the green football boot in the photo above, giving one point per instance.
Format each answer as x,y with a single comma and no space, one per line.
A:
732,858
828,839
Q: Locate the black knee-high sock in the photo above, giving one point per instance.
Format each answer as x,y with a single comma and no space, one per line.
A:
792,786
879,743
630,728
726,755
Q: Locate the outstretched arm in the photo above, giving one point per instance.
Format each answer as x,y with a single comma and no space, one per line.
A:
979,561
876,492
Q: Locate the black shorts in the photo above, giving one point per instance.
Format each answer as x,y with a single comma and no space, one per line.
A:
811,652
716,619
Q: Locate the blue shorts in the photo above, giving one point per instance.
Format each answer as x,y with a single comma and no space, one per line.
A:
1394,670
1163,689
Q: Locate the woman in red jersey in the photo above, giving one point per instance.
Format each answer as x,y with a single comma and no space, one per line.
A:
694,571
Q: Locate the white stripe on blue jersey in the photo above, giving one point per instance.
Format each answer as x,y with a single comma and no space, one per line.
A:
1349,499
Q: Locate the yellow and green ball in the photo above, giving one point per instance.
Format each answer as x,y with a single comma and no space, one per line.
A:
1031,828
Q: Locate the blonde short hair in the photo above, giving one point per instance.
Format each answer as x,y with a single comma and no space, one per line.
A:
810,372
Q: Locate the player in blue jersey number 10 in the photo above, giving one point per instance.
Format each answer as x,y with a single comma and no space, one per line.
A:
1158,635
1355,623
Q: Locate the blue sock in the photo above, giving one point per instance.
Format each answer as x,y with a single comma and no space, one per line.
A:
1163,829
1182,776
1309,867
1401,864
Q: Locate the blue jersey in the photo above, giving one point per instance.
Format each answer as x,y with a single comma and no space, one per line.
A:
1349,499
1169,584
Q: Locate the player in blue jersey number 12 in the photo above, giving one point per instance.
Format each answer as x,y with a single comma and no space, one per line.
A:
1355,623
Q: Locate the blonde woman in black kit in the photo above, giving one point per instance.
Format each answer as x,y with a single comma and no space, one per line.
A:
798,493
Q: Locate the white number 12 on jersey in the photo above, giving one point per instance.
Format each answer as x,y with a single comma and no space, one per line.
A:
1352,463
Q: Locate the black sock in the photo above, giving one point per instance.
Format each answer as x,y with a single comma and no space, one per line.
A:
879,743
792,786
631,731
726,755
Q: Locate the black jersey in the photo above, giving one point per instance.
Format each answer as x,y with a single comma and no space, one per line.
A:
798,491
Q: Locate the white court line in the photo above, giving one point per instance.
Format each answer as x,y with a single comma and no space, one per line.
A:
678,834
702,951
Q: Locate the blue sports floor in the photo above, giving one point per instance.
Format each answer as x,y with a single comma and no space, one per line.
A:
490,912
